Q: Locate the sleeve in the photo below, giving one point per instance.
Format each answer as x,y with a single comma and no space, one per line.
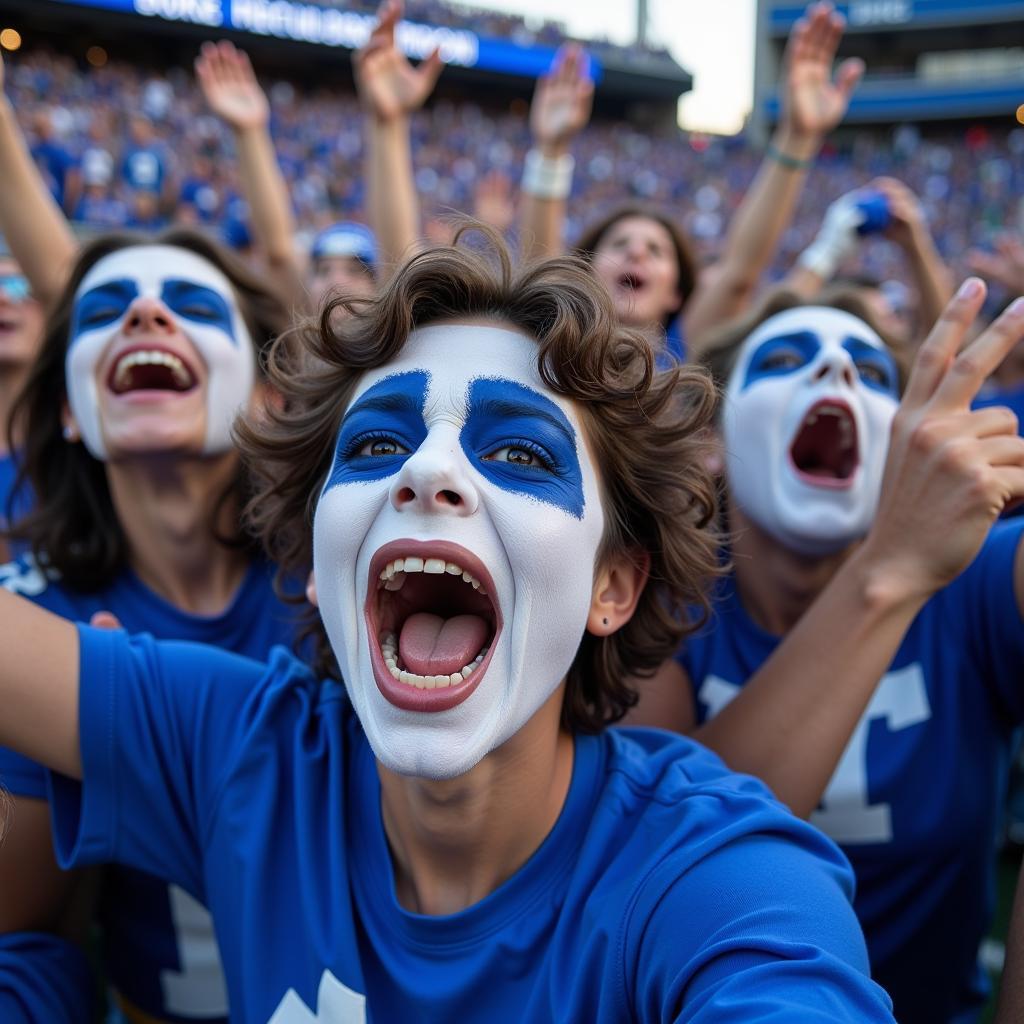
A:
159,724
759,930
22,777
44,978
987,605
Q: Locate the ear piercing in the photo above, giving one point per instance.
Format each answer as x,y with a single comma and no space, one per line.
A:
605,621
69,432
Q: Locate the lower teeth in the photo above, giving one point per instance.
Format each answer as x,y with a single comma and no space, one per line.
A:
389,651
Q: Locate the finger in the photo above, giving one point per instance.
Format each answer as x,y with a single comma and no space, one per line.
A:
848,75
1004,452
977,360
939,348
429,71
993,421
105,620
796,45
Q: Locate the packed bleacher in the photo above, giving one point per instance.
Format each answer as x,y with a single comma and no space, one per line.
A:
131,135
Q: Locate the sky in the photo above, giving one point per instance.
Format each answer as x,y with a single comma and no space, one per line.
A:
716,46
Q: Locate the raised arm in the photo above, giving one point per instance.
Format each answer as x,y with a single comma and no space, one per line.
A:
946,465
562,101
39,685
813,104
229,84
36,231
391,89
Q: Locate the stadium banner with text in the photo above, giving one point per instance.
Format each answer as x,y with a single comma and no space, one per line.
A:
871,14
329,26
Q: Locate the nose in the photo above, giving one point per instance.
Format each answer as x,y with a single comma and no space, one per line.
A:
436,478
836,367
147,315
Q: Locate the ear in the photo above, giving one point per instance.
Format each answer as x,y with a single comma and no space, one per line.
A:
617,589
311,589
69,424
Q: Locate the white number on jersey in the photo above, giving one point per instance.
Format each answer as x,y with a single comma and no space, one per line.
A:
335,1004
198,988
900,700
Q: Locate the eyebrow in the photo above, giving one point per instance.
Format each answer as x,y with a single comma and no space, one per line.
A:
388,401
505,408
121,288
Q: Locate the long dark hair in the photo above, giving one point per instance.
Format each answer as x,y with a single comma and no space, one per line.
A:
72,526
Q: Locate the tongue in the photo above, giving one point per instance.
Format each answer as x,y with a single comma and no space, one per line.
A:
430,645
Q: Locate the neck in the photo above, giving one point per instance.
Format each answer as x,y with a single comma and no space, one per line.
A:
775,584
12,380
168,510
453,842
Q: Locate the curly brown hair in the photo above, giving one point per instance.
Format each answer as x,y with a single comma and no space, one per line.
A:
645,430
72,526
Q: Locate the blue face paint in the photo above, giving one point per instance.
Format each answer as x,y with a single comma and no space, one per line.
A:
779,356
102,305
875,367
522,442
199,304
381,430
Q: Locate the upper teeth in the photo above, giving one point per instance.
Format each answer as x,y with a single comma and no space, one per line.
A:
392,576
152,357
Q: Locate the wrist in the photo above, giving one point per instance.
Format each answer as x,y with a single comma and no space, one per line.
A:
886,585
547,177
803,146
552,149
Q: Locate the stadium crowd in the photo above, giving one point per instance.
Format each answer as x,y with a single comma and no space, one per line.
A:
336,551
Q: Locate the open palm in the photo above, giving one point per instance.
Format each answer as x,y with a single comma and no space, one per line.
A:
563,99
229,84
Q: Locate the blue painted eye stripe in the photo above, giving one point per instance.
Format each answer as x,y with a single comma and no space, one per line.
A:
504,413
102,305
199,304
802,345
107,303
864,355
392,408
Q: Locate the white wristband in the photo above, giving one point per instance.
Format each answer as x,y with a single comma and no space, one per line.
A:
548,177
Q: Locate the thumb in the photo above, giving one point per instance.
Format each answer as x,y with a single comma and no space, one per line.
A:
848,75
430,70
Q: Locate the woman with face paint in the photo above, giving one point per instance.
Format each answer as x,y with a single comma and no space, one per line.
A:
640,253
147,358
509,518
888,714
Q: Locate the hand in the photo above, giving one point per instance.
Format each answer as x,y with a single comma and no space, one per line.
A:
908,224
563,99
1005,265
492,201
229,84
388,84
812,103
950,471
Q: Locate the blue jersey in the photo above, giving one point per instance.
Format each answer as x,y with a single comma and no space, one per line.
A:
159,949
44,978
916,798
668,889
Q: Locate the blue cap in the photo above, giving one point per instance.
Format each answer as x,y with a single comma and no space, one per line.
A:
346,238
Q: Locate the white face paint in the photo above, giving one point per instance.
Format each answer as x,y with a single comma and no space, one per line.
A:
165,319
456,455
808,409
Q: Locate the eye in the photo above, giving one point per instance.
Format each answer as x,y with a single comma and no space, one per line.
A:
103,315
377,447
871,373
522,455
199,311
781,359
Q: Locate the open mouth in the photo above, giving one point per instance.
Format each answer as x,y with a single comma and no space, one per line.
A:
150,369
432,623
825,452
8,326
630,282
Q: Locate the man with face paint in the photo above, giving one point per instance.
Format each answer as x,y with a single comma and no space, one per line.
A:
888,713
452,834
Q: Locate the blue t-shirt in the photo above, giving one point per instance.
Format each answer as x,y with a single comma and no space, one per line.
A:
916,798
668,889
44,979
144,168
54,163
8,474
159,948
